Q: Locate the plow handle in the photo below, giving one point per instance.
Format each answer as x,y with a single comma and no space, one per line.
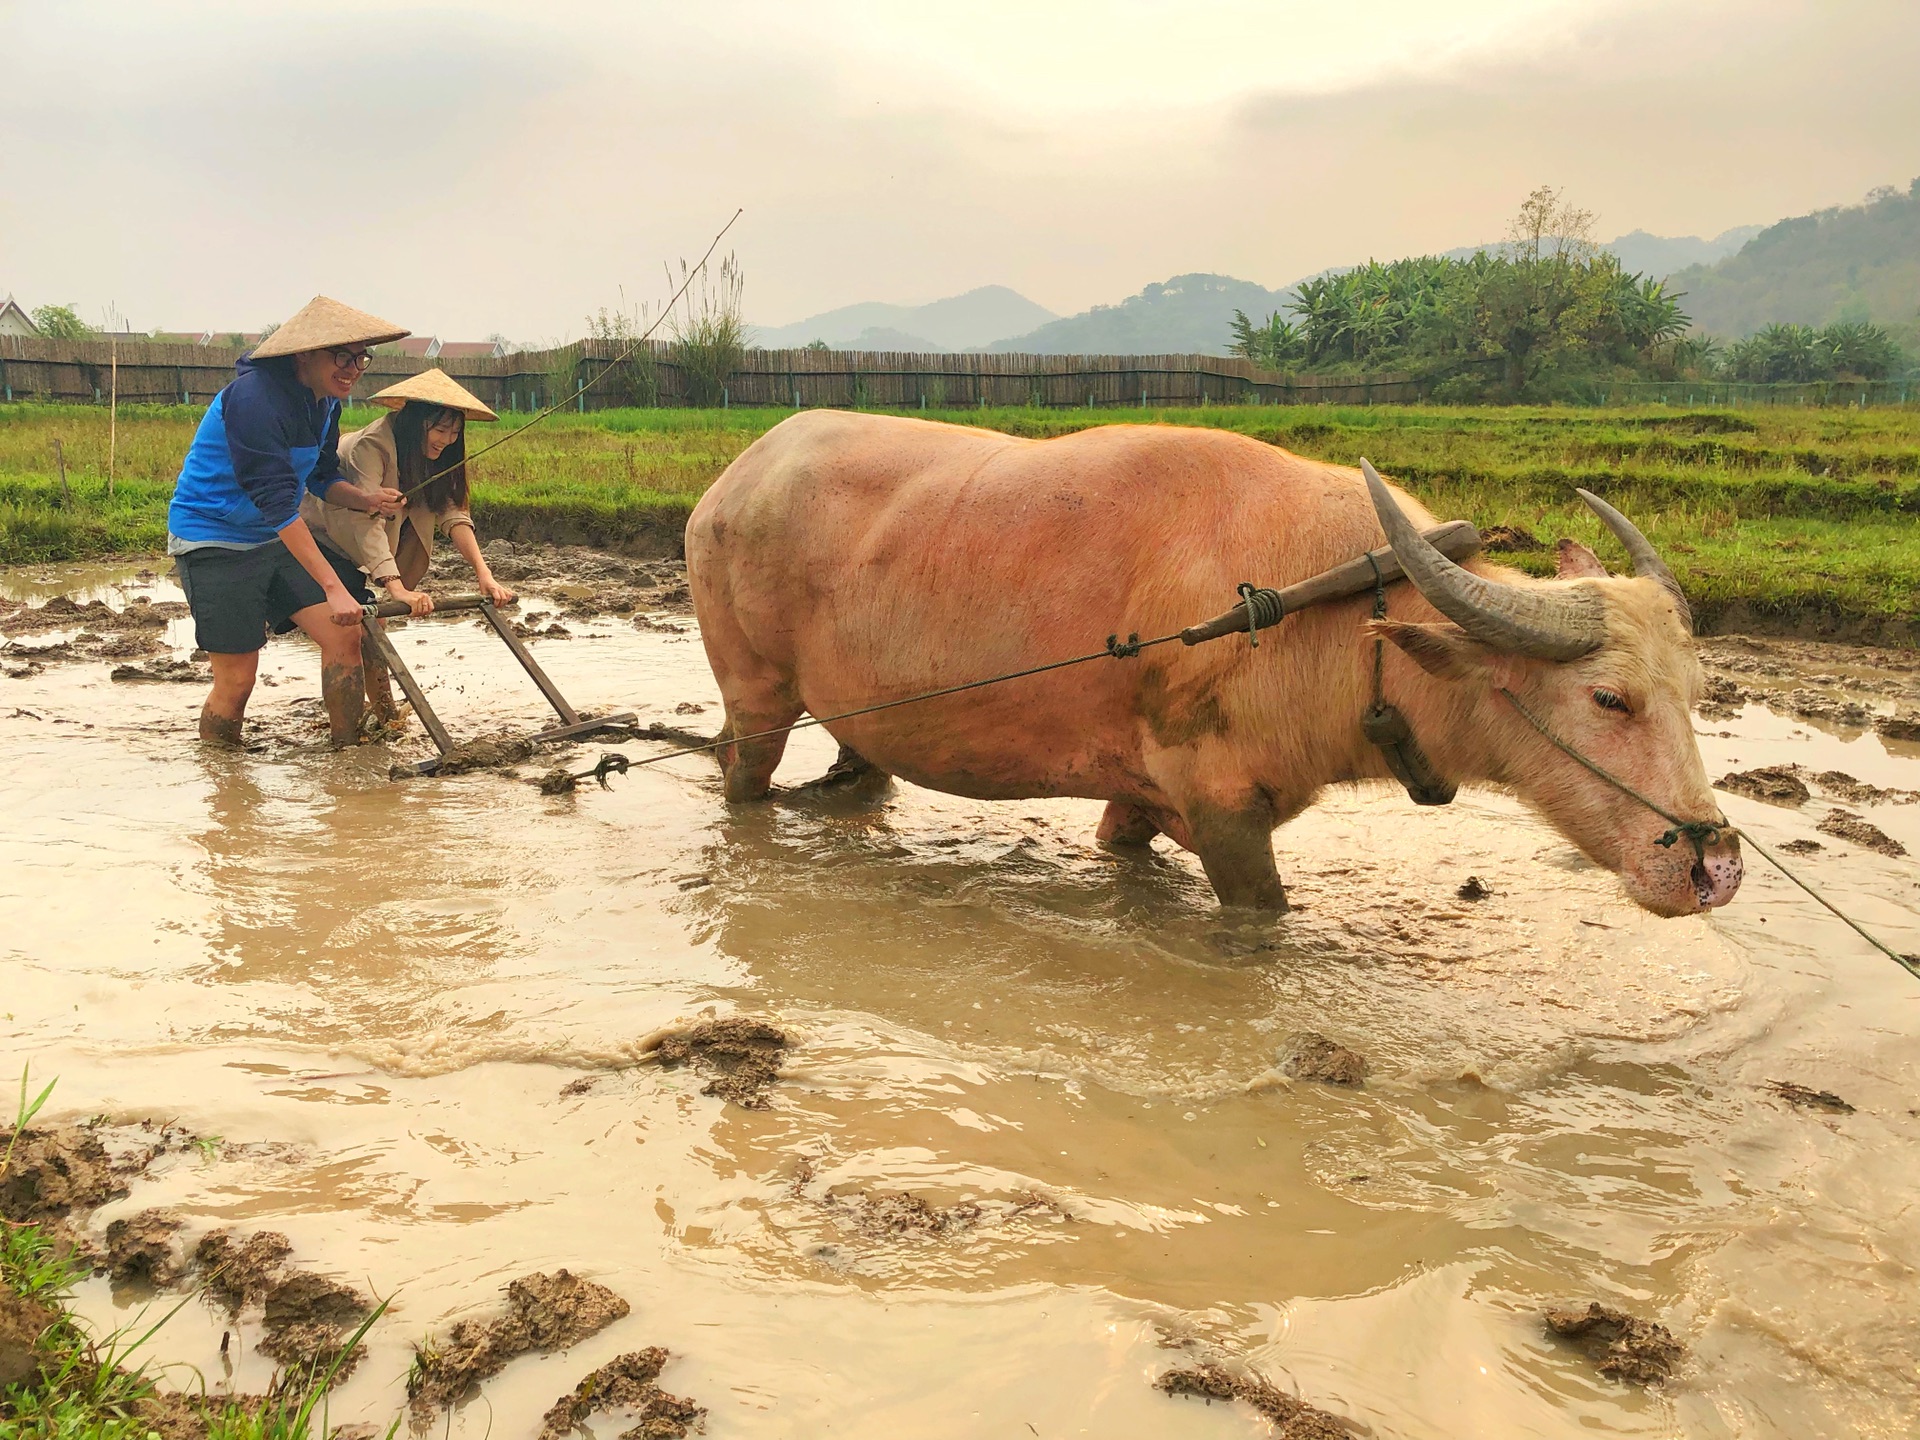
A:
393,609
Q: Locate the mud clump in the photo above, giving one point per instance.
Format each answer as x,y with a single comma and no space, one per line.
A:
1312,1056
22,1323
303,1298
896,1215
1779,784
625,1383
486,752
544,1312
142,1249
239,1273
1801,847
1722,698
741,1055
618,584
1815,705
1844,825
55,1172
308,1318
1858,792
1474,889
314,1349
173,671
1903,726
1803,1097
1623,1346
1294,1419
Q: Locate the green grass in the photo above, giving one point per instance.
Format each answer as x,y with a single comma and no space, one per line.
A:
1777,517
85,1387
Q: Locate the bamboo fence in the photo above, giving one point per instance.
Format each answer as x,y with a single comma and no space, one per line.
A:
80,371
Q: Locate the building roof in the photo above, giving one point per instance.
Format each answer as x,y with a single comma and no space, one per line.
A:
470,349
14,320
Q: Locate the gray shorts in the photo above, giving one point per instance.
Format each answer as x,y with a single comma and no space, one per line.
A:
237,596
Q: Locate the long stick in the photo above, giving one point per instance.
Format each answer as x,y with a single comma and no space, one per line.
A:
582,388
113,414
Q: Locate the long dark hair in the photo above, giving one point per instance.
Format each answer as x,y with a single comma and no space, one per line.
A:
447,490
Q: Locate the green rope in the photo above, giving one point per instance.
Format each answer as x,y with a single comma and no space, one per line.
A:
1704,832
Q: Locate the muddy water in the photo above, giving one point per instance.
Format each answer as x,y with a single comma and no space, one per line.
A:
375,994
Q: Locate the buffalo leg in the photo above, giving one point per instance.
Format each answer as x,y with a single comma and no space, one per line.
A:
747,766
850,774
1122,824
1236,850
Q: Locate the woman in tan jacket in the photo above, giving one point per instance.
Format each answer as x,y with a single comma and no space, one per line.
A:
419,450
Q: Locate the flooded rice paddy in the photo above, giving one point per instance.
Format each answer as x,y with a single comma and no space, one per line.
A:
1033,1144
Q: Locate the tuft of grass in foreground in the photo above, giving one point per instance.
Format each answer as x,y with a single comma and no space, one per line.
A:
78,1387
1773,518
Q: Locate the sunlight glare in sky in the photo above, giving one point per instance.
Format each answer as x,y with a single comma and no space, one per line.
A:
1092,55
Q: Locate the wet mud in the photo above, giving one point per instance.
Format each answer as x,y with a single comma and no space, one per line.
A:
1039,1085
308,1319
1622,1346
1789,785
1293,1419
1805,1097
1312,1056
486,752
1858,686
1778,784
53,1172
625,1384
740,1056
544,1312
22,1323
592,582
145,1249
1844,825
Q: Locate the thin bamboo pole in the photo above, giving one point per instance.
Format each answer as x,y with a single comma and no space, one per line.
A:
113,416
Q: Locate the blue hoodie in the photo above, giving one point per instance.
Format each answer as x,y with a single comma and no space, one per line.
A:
264,438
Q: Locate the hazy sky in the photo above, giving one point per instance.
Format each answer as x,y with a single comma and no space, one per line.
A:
477,167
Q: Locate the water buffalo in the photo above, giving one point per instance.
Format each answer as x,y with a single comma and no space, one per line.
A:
845,559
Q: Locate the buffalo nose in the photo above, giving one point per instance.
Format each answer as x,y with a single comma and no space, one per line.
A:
1717,874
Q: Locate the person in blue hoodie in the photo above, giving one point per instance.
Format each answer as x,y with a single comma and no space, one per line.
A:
245,558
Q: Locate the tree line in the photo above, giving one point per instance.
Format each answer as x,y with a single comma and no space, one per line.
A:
1545,315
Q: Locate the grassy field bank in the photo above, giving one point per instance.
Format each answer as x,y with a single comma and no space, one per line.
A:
1782,520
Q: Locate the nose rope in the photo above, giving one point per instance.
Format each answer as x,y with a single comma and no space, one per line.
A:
1701,832
1705,832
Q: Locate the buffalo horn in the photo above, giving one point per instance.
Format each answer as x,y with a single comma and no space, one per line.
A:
1646,559
1557,624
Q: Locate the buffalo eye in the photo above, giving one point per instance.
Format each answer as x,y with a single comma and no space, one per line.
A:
1607,700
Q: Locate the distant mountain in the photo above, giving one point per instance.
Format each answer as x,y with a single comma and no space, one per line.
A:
885,337
1858,262
1187,315
1661,255
960,322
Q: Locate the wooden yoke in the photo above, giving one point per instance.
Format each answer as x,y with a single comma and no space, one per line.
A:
1456,540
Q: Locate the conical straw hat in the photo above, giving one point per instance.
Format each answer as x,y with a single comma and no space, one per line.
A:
435,387
322,324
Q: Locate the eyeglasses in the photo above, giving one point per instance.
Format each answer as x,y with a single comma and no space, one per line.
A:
350,359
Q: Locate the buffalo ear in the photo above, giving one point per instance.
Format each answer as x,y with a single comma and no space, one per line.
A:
1577,562
1443,650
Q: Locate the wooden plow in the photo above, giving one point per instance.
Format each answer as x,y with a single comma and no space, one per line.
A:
571,725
